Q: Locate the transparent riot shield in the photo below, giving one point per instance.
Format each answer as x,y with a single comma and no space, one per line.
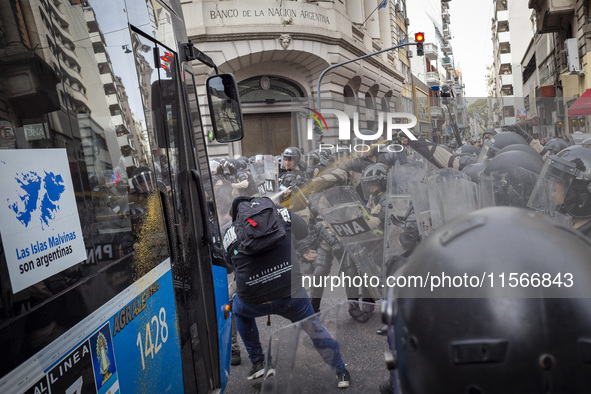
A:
296,354
400,216
265,175
420,202
357,231
271,174
442,195
451,194
257,170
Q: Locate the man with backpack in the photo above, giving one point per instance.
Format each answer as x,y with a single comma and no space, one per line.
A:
260,246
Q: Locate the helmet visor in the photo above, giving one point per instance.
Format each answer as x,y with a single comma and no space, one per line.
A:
550,190
487,152
509,187
144,182
371,184
288,162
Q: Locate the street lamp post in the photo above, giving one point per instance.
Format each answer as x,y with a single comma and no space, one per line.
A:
351,61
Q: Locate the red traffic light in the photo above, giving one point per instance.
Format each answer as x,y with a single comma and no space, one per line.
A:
419,37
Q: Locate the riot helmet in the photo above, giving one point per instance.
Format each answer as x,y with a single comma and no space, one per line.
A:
509,179
215,166
143,180
466,149
325,157
565,182
312,158
374,179
500,340
259,159
555,145
453,145
232,166
473,171
489,133
522,148
291,158
501,140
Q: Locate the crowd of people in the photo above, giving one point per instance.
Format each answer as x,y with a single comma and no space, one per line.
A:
508,168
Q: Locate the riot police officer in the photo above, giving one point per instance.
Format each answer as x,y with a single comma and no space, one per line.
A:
565,187
293,166
495,339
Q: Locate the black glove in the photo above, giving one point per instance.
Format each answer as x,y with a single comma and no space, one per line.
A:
410,237
517,129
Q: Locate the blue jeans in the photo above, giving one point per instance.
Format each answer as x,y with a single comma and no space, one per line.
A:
293,309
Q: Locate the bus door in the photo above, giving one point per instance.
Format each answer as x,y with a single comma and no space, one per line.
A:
201,288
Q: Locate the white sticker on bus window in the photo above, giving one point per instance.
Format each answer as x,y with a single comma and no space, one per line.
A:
39,220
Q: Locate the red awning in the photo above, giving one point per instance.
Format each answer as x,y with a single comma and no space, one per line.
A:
533,121
581,107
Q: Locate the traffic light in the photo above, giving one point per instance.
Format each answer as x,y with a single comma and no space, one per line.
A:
419,38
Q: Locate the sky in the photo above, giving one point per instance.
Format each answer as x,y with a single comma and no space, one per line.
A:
471,36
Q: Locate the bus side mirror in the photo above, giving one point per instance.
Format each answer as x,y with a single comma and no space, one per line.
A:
224,108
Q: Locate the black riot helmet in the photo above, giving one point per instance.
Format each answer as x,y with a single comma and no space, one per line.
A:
501,140
232,166
293,155
565,183
143,180
522,148
466,149
325,157
312,158
488,133
375,174
453,145
498,341
215,167
509,179
473,171
555,145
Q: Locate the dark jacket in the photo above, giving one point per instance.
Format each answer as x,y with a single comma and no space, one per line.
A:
270,275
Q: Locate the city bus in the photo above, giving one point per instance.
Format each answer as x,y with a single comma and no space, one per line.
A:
111,277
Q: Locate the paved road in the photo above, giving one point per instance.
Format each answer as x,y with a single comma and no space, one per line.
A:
361,348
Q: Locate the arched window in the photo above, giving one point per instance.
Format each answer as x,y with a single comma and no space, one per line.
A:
264,88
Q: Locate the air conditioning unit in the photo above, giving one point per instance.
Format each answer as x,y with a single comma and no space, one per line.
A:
406,22
397,7
572,55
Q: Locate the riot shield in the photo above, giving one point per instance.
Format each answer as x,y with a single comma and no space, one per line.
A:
295,364
357,231
420,203
442,195
265,175
451,194
400,215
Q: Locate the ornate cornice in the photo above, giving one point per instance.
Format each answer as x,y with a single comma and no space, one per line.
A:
347,45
